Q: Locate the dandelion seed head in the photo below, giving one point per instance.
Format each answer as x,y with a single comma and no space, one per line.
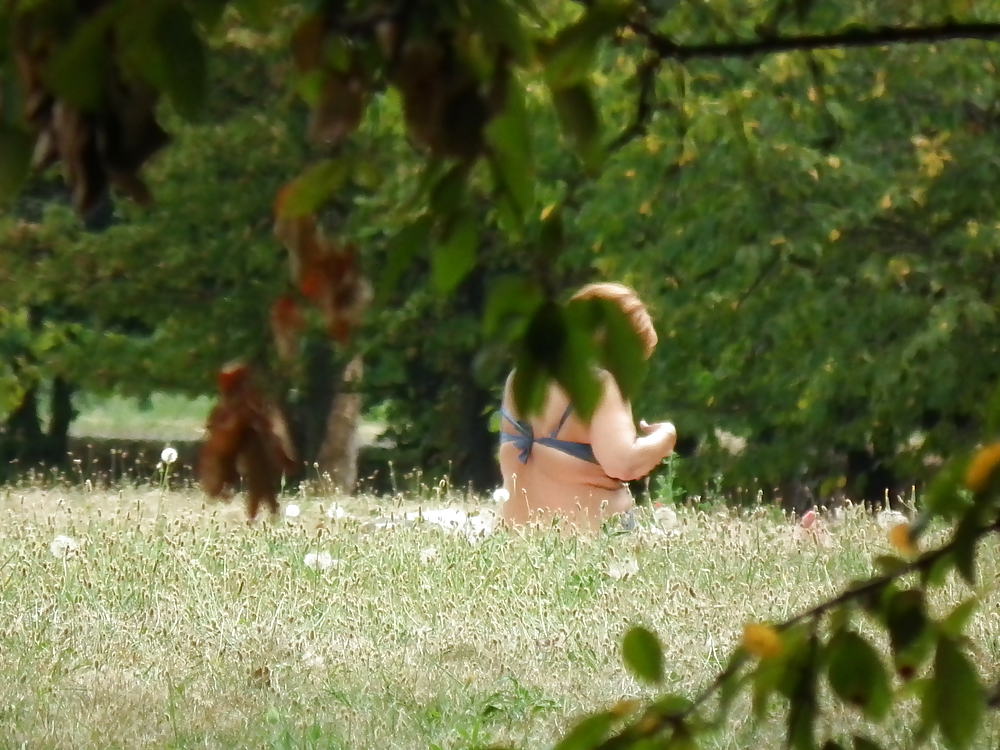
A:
292,511
500,495
622,569
320,561
169,455
63,546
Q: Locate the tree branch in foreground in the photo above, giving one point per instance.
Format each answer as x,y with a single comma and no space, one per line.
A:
654,721
851,37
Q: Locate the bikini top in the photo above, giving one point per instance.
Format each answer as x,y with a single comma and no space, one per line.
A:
525,439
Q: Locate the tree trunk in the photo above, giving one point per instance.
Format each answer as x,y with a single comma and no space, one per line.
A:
62,417
23,442
338,454
325,416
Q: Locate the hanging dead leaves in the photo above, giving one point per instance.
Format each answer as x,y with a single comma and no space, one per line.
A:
84,111
451,86
248,442
326,272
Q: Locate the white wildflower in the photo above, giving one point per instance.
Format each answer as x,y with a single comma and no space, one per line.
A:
480,526
313,660
732,443
887,519
336,511
665,516
500,495
622,569
169,455
63,546
451,519
429,555
292,511
320,561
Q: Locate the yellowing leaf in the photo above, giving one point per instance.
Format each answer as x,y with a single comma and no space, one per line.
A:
982,467
834,235
762,640
902,540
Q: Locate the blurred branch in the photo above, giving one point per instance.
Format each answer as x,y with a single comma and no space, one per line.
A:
654,721
853,37
646,76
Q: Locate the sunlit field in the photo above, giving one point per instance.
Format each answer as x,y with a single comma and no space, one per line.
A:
148,618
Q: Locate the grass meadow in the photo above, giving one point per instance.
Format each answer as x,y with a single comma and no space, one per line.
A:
165,621
147,616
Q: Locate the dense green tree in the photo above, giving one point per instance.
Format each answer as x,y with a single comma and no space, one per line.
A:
821,216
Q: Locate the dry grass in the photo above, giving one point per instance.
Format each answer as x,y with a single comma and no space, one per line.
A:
175,625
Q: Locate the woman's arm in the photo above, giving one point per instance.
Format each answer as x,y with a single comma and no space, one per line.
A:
621,453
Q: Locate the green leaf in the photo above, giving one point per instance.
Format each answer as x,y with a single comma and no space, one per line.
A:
402,249
315,186
570,56
681,739
937,573
15,160
910,636
580,121
959,699
802,723
798,684
955,623
509,138
944,496
512,302
857,675
530,385
672,704
889,564
77,71
499,22
588,733
185,69
208,13
258,13
558,347
448,193
732,686
508,218
643,654
967,538
832,745
454,257
992,421
620,348
367,174
623,352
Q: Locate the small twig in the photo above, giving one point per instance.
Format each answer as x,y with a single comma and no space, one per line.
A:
855,37
646,76
653,722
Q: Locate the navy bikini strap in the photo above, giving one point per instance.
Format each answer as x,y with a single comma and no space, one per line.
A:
525,437
562,421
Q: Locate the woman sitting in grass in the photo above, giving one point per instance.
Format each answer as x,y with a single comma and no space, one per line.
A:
557,465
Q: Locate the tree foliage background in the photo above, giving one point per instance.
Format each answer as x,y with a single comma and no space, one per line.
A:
802,190
812,222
